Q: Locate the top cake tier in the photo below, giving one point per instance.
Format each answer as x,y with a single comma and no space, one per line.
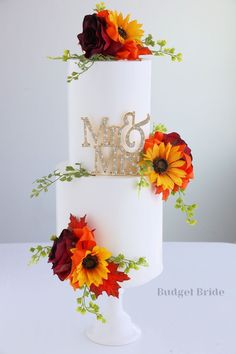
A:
108,90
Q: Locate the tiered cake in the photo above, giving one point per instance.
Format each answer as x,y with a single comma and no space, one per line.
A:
113,155
109,118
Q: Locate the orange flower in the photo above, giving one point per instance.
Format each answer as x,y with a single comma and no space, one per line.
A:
131,51
89,266
144,50
120,28
167,162
80,230
156,138
167,167
111,26
128,33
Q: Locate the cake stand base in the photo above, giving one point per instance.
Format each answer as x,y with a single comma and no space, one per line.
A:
118,329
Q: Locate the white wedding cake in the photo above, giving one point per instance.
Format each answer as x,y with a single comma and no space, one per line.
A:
109,118
109,226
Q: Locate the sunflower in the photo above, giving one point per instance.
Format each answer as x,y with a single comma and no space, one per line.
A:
165,166
89,266
121,29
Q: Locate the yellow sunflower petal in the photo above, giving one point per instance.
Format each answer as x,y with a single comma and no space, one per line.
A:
167,152
168,182
160,181
148,155
153,177
162,150
174,155
102,252
155,151
82,278
178,163
102,272
178,172
176,180
93,277
125,22
134,30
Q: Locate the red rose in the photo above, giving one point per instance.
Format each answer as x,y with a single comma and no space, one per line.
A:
175,139
94,39
60,255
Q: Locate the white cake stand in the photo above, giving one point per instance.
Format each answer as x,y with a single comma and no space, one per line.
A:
118,329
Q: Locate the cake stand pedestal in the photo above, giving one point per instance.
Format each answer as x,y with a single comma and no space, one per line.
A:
118,329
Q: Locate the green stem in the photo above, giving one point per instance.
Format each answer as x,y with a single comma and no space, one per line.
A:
71,172
188,209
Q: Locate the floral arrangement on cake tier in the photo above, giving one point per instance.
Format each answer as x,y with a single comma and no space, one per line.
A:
166,164
75,256
109,35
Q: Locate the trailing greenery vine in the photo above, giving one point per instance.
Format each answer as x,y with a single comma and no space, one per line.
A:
70,173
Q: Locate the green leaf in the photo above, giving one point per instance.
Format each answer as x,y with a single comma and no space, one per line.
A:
70,173
159,128
53,238
100,6
161,43
185,208
93,296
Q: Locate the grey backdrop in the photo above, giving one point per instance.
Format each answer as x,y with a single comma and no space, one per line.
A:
196,98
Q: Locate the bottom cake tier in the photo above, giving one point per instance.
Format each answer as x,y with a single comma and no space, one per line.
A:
124,221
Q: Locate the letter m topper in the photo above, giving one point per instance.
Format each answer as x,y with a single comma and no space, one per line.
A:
98,138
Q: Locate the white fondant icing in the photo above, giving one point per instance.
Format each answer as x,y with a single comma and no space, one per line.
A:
125,222
107,89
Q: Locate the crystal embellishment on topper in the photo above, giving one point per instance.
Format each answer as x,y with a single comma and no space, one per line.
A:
116,148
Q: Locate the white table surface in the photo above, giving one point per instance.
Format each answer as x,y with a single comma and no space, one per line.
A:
37,312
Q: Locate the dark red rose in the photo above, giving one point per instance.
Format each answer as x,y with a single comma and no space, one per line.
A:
175,139
94,39
60,255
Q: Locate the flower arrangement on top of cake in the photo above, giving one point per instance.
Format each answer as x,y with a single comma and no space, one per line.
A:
109,35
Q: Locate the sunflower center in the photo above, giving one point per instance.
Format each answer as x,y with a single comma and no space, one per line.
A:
160,165
122,32
90,262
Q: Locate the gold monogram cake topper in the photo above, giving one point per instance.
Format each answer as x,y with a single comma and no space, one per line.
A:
116,148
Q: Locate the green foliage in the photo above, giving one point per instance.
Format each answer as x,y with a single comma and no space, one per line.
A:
81,61
163,50
86,304
128,264
159,128
68,56
53,238
70,173
149,42
189,210
100,6
85,64
142,183
38,253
